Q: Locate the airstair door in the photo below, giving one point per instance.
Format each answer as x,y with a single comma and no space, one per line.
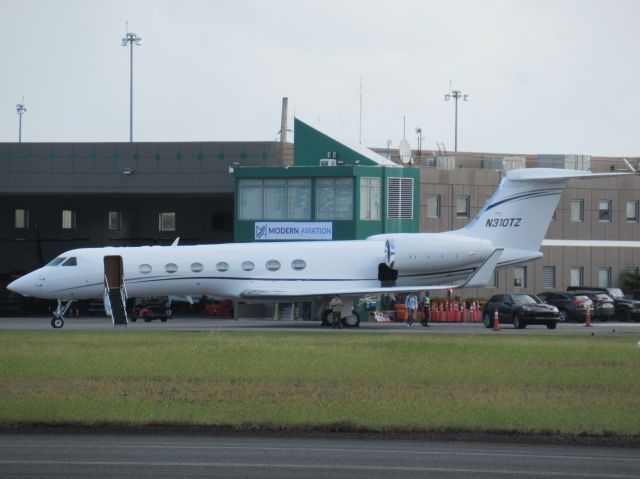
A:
115,298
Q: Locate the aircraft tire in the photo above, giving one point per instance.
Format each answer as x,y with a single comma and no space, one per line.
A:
351,321
57,323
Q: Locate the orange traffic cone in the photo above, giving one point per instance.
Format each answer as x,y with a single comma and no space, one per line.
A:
587,320
496,321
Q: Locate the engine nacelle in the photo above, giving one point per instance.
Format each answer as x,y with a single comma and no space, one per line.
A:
429,252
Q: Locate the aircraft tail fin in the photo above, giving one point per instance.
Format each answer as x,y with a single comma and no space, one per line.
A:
518,214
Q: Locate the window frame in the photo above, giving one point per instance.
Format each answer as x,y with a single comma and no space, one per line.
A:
580,213
430,206
523,277
466,213
164,215
605,215
636,211
370,203
68,219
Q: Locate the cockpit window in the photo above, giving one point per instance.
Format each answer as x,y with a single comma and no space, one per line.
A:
71,262
57,261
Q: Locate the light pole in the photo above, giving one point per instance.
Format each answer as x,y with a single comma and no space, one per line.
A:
20,110
456,94
130,39
419,133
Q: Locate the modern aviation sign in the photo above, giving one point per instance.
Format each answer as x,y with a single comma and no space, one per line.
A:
271,231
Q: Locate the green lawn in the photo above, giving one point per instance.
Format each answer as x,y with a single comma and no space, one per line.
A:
383,382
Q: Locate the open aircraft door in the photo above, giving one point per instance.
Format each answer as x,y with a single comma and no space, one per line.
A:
115,293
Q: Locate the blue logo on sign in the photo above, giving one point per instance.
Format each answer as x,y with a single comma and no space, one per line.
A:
261,231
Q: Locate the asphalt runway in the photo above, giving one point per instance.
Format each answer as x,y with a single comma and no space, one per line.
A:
204,323
154,456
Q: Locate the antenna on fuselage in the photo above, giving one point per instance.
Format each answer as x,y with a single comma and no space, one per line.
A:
175,241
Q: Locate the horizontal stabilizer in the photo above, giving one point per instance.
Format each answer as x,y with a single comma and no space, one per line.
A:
483,274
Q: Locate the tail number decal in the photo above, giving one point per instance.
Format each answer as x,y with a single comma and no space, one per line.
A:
503,223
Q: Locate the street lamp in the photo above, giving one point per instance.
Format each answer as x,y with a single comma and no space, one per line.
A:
20,110
130,39
456,94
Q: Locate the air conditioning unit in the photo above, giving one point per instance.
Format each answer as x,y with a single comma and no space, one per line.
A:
328,162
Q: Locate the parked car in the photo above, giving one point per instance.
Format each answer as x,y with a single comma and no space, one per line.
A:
603,305
151,308
573,306
520,310
626,309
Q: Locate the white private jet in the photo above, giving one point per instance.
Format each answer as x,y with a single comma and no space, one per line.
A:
508,230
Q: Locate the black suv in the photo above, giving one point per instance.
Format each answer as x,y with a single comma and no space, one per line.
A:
572,306
626,309
603,305
520,310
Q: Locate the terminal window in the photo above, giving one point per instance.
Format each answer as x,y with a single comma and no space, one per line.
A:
577,210
114,220
520,277
21,218
433,206
68,219
274,199
462,207
167,221
576,276
604,211
633,208
334,198
370,194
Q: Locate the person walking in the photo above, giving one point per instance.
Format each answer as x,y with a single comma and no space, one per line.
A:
426,309
336,309
411,303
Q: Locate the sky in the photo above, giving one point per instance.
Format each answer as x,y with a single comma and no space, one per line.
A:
543,76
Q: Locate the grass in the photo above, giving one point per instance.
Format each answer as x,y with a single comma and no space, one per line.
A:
565,384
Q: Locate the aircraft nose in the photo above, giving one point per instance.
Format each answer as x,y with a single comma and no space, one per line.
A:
23,285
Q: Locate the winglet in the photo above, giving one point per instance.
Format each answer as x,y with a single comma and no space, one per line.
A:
483,274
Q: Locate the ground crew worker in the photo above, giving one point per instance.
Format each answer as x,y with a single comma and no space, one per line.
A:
336,309
426,309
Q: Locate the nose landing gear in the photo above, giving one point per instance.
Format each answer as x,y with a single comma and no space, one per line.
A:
58,315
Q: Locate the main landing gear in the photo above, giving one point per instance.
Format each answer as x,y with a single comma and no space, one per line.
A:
58,315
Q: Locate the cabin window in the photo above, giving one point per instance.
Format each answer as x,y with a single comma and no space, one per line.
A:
167,221
56,261
334,198
114,220
248,265
71,262
370,198
273,265
68,219
21,218
197,267
145,268
222,266
171,267
298,264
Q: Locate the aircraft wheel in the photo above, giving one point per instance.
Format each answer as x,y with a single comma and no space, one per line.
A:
351,321
57,323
